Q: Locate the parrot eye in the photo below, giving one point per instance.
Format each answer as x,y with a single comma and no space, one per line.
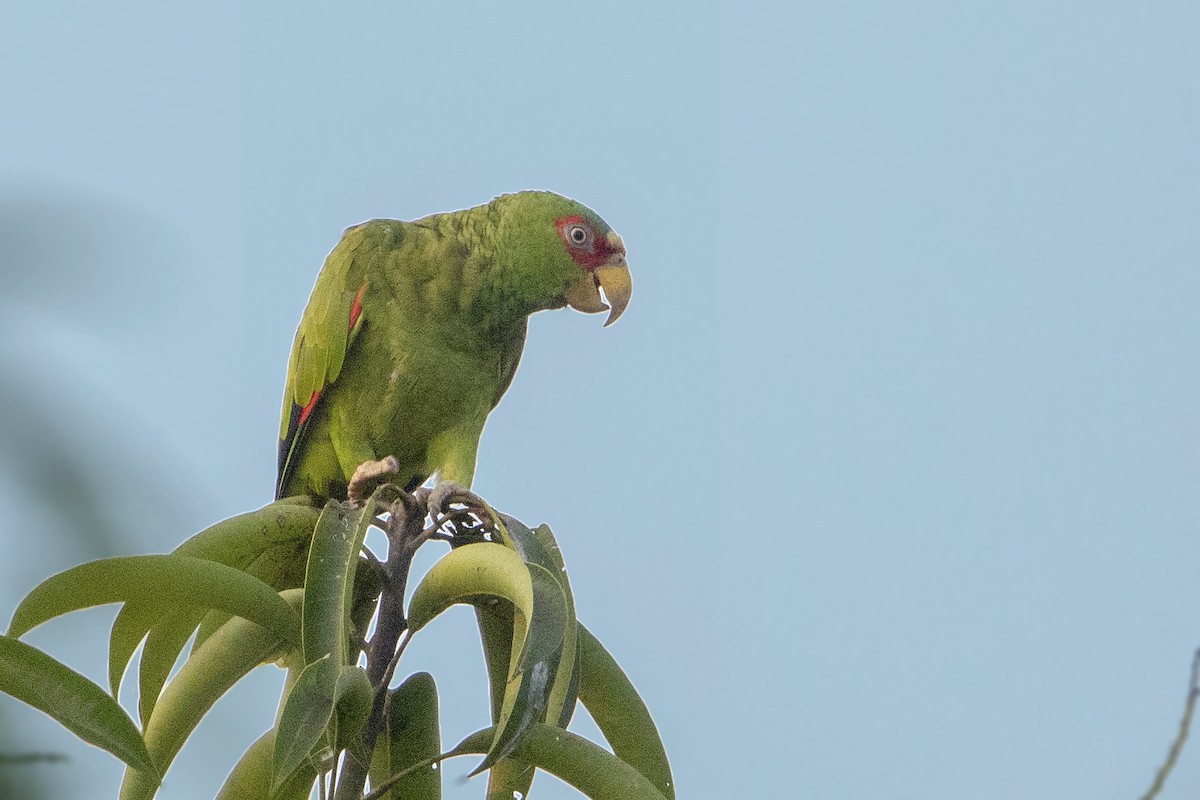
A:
579,235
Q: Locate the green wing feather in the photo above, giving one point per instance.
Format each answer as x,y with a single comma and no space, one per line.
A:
328,328
509,359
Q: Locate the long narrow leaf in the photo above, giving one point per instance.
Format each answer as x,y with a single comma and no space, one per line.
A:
532,677
152,580
82,707
238,540
251,777
411,737
130,627
225,658
510,777
163,646
621,715
329,580
306,714
474,573
587,766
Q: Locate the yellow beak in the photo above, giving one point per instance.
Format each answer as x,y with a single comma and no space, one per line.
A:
613,277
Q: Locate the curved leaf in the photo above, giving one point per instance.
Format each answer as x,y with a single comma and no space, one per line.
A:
329,579
621,715
527,695
82,707
585,765
540,547
474,573
239,540
251,776
308,712
163,646
263,543
411,737
510,777
157,580
133,622
233,651
280,567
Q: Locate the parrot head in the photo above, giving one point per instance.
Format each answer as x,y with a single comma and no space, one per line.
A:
564,254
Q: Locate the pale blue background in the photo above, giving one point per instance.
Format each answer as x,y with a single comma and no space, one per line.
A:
885,486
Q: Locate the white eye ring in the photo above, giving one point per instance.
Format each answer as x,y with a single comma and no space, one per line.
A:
578,235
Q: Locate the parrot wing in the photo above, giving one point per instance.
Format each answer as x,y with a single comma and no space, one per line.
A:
510,356
330,324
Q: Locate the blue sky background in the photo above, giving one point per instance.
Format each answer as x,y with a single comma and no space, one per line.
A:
886,485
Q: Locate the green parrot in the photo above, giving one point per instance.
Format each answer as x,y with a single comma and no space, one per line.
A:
414,330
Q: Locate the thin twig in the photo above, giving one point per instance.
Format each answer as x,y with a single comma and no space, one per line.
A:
403,529
382,789
1185,725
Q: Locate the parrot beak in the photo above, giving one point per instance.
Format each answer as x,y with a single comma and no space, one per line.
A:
612,277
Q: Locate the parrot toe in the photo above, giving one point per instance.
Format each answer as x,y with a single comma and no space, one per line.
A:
441,496
369,476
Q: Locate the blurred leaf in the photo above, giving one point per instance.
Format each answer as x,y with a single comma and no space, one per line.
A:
251,777
79,705
329,579
157,580
621,715
585,765
412,736
232,652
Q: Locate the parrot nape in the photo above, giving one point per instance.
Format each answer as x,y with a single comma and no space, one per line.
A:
414,330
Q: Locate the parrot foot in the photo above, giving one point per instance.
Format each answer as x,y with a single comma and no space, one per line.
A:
438,499
369,476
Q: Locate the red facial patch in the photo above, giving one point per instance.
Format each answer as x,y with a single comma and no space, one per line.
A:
588,254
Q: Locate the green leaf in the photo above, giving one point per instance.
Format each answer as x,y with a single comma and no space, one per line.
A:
251,777
411,737
163,646
232,652
305,717
280,567
308,712
540,547
527,695
475,573
237,541
621,715
165,580
510,777
329,580
267,544
82,707
585,765
133,622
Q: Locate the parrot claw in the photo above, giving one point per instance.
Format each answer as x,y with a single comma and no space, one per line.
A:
440,497
369,476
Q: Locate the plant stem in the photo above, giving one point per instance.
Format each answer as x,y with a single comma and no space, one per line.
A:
404,531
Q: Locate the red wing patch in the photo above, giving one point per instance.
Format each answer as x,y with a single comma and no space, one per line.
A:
290,443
